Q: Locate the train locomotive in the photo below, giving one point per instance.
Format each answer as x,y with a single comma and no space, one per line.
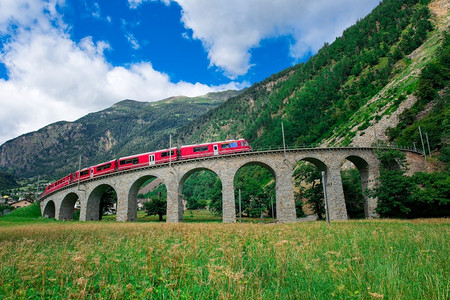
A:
151,158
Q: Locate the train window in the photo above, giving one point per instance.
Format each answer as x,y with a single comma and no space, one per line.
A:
233,145
133,161
104,167
225,146
164,154
200,149
85,172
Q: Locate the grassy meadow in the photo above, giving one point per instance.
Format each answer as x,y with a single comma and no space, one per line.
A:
370,259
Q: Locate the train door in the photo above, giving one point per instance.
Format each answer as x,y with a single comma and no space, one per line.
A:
151,159
92,172
216,149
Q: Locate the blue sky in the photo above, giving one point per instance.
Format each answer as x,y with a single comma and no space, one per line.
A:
61,59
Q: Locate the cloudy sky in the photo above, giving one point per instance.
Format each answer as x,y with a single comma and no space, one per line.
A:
61,59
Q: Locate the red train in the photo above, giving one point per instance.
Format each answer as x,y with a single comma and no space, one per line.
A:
151,158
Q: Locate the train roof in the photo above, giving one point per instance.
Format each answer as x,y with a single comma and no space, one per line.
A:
209,143
147,153
113,160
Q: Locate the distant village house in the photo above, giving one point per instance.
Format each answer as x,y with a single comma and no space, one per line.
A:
21,203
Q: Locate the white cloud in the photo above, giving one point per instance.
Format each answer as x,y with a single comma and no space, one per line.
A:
229,29
133,41
133,4
52,78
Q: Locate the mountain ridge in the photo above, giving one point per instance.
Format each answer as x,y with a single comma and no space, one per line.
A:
369,75
126,127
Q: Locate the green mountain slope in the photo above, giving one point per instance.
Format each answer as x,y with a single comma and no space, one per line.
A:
336,94
361,87
125,128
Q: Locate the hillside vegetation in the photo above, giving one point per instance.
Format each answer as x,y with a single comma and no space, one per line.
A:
360,78
7,181
368,76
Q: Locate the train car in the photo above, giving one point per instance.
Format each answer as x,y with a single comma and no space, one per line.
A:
83,174
105,168
162,156
146,159
151,158
233,146
58,184
215,148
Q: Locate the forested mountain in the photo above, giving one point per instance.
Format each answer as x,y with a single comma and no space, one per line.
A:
387,74
368,75
7,181
125,128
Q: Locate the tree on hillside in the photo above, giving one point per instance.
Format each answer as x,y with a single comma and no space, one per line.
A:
313,192
354,198
109,198
215,205
156,206
394,191
257,190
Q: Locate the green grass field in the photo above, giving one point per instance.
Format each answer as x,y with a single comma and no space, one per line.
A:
368,259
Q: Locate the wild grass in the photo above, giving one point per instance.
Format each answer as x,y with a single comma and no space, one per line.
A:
310,260
192,216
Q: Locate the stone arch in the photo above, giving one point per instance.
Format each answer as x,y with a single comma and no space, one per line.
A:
257,163
311,208
192,171
317,162
68,206
93,202
186,176
367,181
363,167
275,197
49,210
132,195
329,164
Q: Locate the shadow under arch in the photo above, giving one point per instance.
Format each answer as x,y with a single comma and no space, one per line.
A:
68,206
93,202
49,210
133,193
360,163
317,162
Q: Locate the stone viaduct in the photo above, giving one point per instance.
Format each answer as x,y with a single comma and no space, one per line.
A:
280,163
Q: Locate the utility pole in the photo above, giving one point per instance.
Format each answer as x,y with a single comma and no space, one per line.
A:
414,143
240,211
423,146
428,143
271,202
170,151
375,131
284,141
327,214
79,173
37,187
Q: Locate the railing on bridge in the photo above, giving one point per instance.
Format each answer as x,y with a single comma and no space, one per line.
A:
317,146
